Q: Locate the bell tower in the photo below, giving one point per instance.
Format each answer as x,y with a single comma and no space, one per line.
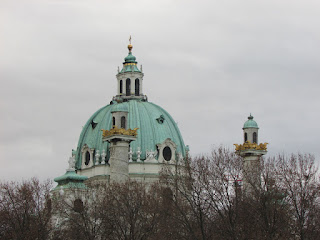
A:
251,153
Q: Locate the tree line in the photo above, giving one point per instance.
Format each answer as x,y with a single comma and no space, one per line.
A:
204,200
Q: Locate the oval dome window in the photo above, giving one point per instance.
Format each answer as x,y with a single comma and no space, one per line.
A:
167,153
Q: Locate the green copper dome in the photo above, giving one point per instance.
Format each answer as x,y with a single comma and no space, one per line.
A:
120,107
154,123
70,180
250,123
130,58
130,64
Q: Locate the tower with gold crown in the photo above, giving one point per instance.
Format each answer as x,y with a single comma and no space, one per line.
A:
251,152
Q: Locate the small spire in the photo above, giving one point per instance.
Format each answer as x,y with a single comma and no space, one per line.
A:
130,46
250,117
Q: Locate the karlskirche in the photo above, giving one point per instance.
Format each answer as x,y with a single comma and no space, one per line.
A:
130,138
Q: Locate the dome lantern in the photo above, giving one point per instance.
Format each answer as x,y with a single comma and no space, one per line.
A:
130,78
250,130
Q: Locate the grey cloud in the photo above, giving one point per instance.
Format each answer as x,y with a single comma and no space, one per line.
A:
208,63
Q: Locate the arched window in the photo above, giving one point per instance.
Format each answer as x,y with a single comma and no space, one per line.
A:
254,137
245,137
120,86
78,205
113,121
137,87
167,154
87,160
167,196
123,122
49,205
128,87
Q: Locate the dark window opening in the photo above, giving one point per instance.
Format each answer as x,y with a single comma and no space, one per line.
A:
167,154
113,121
137,87
123,122
167,195
93,124
87,158
245,137
49,205
120,86
128,86
78,205
255,137
160,119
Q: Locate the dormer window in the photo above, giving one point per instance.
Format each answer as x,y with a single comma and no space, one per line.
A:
167,151
160,119
93,124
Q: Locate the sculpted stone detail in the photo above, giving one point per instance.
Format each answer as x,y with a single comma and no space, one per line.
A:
103,156
138,155
119,131
151,155
97,157
72,163
248,145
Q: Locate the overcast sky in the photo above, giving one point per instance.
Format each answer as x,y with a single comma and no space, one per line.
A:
208,63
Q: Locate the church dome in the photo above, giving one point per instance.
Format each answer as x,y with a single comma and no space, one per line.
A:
250,123
154,125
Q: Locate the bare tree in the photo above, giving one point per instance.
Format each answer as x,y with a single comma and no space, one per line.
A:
206,195
113,211
299,182
25,210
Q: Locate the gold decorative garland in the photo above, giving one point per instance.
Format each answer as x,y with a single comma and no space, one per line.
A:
248,145
130,64
119,131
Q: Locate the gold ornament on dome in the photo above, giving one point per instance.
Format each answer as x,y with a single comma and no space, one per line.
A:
119,131
251,146
128,64
130,46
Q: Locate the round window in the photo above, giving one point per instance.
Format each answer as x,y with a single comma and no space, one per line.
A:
167,154
87,158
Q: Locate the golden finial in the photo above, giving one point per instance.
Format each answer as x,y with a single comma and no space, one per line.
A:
130,46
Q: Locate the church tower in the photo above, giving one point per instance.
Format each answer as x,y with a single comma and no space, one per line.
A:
251,152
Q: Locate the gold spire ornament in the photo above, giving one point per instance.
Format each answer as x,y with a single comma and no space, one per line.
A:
130,46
